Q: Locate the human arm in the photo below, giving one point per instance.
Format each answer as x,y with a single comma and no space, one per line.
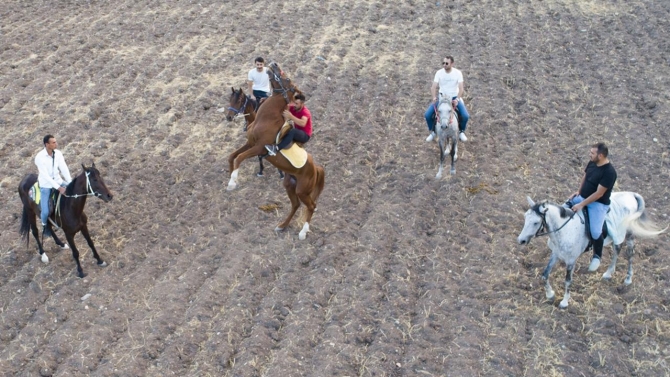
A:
250,85
592,198
433,91
298,121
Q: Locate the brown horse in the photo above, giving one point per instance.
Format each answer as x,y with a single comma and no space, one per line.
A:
242,105
303,184
69,215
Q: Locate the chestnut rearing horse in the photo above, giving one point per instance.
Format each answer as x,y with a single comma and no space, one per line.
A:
303,184
241,105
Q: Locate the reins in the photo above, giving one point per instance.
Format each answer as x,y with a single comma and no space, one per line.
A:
546,226
89,192
282,90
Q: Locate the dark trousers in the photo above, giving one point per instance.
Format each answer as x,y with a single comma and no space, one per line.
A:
293,135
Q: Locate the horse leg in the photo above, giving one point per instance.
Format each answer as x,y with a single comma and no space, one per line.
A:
75,253
306,199
439,172
612,268
260,162
630,251
84,232
454,156
549,292
35,232
236,161
289,185
58,241
233,156
568,281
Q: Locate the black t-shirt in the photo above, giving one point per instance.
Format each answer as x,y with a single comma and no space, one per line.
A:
598,175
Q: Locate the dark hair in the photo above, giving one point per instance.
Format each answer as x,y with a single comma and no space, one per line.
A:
259,60
451,58
602,149
47,138
300,96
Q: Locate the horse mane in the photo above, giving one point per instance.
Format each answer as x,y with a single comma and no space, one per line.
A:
562,211
69,190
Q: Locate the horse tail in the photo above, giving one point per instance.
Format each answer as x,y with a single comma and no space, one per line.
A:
24,230
320,183
639,224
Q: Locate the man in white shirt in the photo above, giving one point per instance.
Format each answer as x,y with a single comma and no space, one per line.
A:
450,83
51,165
259,82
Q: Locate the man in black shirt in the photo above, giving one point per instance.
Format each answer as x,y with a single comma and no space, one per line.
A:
594,193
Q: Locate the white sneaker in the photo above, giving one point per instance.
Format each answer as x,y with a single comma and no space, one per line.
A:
431,137
462,136
595,263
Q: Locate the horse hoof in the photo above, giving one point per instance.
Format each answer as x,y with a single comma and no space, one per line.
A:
562,305
452,171
278,229
103,264
45,259
628,281
231,186
65,247
82,275
607,276
302,236
551,299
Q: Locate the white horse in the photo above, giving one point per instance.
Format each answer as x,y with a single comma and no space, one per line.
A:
447,134
568,239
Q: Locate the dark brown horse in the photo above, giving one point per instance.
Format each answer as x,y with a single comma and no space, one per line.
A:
303,184
69,215
242,105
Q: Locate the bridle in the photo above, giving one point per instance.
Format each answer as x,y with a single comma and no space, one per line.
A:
544,224
437,114
241,109
281,89
89,190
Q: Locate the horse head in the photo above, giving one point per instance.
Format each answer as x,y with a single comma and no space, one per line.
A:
238,101
280,83
534,221
96,183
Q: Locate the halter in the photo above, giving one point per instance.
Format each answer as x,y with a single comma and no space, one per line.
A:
544,225
241,109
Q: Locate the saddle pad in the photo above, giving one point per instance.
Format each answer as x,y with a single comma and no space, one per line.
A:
35,193
296,155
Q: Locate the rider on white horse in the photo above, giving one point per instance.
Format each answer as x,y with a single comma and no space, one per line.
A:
450,83
594,194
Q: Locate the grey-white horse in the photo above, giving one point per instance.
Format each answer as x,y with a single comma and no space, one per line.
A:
568,240
447,134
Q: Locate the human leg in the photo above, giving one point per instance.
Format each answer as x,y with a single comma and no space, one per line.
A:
430,121
44,206
597,213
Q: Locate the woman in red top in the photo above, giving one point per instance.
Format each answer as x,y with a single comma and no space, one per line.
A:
302,121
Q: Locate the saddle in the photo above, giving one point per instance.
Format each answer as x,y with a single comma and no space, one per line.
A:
294,153
36,195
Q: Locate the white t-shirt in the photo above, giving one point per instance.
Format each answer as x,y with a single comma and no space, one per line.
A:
260,79
448,82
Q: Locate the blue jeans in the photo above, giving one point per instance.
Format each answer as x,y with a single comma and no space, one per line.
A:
463,116
44,204
260,94
597,213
